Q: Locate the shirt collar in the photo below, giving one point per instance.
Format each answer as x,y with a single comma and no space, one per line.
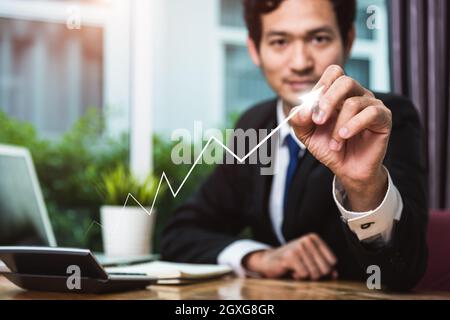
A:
286,129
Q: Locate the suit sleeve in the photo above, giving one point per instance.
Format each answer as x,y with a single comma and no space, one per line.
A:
403,260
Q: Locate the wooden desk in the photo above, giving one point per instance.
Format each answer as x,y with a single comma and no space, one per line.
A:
237,289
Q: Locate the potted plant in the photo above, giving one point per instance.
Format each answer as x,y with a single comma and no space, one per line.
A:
127,223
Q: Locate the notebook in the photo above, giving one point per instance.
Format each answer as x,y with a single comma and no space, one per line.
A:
169,272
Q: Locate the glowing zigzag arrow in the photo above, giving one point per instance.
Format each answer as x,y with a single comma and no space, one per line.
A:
308,100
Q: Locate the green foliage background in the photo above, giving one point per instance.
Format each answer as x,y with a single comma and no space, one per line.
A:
69,170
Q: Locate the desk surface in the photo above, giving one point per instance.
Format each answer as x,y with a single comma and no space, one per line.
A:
237,289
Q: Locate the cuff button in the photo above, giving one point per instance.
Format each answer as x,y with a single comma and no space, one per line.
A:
367,225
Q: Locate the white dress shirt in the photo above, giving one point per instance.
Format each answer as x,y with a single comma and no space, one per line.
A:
383,217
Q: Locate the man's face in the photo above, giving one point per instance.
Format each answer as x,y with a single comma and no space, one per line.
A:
299,41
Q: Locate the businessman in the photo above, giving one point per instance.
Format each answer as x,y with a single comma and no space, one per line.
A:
349,185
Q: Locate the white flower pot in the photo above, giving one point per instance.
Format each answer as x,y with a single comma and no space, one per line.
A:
126,231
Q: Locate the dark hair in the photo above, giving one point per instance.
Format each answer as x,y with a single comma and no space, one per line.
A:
253,10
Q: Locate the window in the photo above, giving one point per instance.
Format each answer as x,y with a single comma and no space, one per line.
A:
60,57
243,82
49,75
369,63
57,59
231,13
359,69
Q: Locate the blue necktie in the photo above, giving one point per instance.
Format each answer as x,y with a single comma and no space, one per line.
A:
294,150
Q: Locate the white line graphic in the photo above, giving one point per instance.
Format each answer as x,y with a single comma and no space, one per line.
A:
308,100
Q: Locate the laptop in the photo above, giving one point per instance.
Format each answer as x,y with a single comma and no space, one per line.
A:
24,222
24,219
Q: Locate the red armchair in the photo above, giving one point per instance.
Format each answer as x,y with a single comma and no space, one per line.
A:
437,275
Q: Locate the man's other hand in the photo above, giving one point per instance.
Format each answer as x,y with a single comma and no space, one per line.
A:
306,258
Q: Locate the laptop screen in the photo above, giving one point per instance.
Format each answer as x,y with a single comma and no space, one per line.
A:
21,221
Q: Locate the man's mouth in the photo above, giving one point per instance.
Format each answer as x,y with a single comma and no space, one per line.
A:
300,85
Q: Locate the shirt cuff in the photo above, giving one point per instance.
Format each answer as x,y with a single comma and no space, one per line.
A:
371,224
233,254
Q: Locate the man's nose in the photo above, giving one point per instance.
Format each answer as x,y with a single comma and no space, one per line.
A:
301,60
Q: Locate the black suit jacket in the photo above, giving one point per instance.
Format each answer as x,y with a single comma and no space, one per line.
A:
236,197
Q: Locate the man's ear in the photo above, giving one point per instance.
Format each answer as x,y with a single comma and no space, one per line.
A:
350,40
253,51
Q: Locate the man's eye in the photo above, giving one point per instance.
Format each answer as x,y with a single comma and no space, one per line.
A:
321,39
278,43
